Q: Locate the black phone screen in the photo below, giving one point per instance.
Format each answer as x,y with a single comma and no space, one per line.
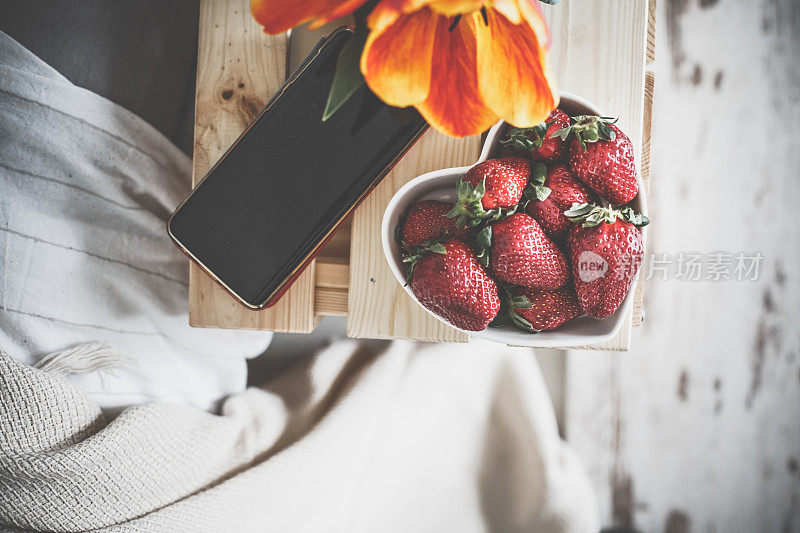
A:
290,179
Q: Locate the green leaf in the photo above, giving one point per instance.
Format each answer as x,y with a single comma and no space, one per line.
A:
539,173
347,79
484,237
590,136
563,133
637,219
578,210
480,190
438,248
522,323
483,257
520,302
410,273
455,212
542,192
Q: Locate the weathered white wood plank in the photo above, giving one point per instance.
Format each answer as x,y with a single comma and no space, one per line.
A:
698,427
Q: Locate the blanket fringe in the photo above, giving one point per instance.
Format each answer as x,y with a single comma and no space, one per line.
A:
85,358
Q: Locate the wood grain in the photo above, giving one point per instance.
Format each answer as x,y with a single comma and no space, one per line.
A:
599,51
378,307
238,70
697,428
647,128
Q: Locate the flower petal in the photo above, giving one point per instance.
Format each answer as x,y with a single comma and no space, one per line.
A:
454,106
533,14
396,61
513,75
509,8
455,7
277,16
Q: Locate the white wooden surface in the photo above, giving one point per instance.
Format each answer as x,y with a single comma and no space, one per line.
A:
697,428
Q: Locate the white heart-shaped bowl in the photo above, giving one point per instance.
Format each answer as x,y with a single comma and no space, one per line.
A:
440,185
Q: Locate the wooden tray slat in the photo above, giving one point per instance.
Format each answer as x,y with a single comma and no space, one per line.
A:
378,307
238,70
599,51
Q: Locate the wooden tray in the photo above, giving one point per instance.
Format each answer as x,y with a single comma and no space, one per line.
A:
600,50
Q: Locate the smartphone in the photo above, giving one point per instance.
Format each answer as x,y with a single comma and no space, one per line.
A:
266,207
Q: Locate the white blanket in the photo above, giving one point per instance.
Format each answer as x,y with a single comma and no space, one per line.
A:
85,191
432,438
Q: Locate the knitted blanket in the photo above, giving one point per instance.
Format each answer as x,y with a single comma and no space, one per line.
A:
410,438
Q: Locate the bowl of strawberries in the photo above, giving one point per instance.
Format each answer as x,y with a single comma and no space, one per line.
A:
539,243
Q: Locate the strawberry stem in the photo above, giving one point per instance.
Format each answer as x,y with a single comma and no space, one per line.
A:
508,305
589,129
418,252
591,215
526,139
469,210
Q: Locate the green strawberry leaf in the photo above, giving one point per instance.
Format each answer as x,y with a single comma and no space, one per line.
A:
563,133
484,237
520,302
578,210
538,173
480,190
347,79
588,129
482,241
542,192
637,219
507,314
526,139
468,207
536,187
410,273
483,257
522,323
589,215
415,254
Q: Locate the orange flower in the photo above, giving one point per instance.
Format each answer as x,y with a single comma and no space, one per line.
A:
277,16
462,63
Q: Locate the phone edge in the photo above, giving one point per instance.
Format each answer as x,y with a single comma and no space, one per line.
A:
275,296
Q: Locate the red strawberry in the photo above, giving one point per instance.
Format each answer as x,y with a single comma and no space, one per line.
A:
605,251
565,190
504,181
455,286
539,142
538,310
601,156
522,254
426,222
